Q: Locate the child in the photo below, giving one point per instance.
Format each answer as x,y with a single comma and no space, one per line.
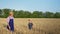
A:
10,21
30,24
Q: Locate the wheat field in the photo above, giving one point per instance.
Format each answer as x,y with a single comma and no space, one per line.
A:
40,26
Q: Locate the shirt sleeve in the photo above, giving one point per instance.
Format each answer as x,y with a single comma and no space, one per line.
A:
7,19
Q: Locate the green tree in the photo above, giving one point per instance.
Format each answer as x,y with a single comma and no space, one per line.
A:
57,15
48,14
0,13
6,12
20,14
41,14
26,14
35,14
15,13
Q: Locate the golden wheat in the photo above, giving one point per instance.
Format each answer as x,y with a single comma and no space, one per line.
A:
40,26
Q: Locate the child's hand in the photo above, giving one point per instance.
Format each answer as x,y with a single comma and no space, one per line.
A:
8,27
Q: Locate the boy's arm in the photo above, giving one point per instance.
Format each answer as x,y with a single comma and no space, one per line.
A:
8,22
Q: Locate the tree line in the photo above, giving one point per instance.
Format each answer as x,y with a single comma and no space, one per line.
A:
27,14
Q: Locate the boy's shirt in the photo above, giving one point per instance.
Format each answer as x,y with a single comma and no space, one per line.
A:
8,18
30,24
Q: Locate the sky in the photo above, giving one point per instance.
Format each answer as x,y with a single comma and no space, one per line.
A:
31,5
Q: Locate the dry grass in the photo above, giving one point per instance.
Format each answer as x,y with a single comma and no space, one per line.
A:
41,26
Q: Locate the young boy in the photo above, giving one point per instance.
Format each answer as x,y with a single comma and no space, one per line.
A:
10,21
30,24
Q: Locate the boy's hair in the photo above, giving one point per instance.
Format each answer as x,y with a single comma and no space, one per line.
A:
29,20
11,13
